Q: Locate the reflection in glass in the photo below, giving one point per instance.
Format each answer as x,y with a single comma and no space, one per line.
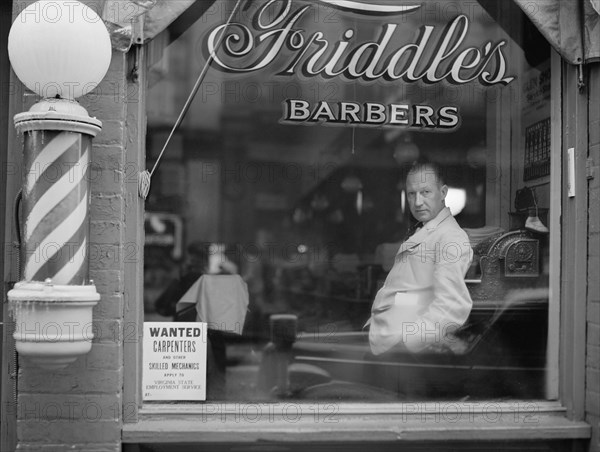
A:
312,227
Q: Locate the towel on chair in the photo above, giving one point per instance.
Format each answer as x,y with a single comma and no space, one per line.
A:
221,301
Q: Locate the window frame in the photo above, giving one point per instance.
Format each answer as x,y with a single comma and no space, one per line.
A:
554,419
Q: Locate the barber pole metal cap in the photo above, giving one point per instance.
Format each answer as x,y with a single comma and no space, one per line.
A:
57,148
58,114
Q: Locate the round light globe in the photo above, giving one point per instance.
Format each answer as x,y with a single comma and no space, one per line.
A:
59,48
406,152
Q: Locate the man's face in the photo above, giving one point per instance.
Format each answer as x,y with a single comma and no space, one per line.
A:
425,195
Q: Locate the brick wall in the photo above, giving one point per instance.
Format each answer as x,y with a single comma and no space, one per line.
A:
79,407
593,301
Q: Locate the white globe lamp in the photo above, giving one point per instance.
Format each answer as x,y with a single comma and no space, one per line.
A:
59,48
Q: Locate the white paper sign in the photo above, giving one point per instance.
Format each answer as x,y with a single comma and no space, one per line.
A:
174,361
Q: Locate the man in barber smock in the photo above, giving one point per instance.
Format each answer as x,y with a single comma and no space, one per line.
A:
424,298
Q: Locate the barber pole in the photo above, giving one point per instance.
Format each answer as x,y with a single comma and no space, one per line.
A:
55,289
56,191
55,206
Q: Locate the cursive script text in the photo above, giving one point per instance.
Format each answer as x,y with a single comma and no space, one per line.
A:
431,58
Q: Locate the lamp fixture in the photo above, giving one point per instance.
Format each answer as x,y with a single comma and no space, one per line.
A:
406,151
351,184
59,49
319,202
299,216
476,155
336,217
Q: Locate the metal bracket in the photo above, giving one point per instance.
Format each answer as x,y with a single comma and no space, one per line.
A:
137,41
138,30
580,77
134,74
589,168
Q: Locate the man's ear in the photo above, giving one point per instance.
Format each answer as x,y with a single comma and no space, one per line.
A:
444,190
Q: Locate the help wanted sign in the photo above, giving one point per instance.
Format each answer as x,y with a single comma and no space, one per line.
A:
174,361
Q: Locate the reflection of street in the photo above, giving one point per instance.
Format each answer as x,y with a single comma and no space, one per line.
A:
242,371
504,356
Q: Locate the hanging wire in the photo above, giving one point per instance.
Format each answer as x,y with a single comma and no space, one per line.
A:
145,176
354,95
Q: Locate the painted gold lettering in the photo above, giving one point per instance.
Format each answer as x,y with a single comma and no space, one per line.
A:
297,110
423,113
349,112
409,69
371,63
443,52
275,30
374,113
323,111
399,114
459,64
448,117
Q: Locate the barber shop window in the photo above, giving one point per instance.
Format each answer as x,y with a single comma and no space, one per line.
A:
357,201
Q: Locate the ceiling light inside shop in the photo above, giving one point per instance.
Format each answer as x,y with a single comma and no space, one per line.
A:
406,151
351,184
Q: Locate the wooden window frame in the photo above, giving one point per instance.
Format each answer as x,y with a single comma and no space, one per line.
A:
561,419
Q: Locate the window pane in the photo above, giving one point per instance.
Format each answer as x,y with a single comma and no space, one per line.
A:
286,211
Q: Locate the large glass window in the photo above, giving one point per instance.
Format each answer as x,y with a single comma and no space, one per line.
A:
288,202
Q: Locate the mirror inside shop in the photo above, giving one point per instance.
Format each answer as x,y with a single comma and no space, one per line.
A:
357,202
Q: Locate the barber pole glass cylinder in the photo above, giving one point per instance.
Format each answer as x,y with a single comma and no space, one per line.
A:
56,191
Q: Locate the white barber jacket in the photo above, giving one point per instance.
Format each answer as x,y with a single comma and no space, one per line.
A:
424,296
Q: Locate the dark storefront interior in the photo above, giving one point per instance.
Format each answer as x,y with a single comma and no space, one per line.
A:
309,214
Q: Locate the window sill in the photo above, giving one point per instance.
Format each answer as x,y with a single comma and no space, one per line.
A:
334,422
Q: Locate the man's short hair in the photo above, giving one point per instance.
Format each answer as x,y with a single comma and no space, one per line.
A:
428,167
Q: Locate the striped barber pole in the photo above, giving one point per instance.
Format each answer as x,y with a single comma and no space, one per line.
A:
55,206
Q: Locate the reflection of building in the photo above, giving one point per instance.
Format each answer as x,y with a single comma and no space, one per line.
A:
234,167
